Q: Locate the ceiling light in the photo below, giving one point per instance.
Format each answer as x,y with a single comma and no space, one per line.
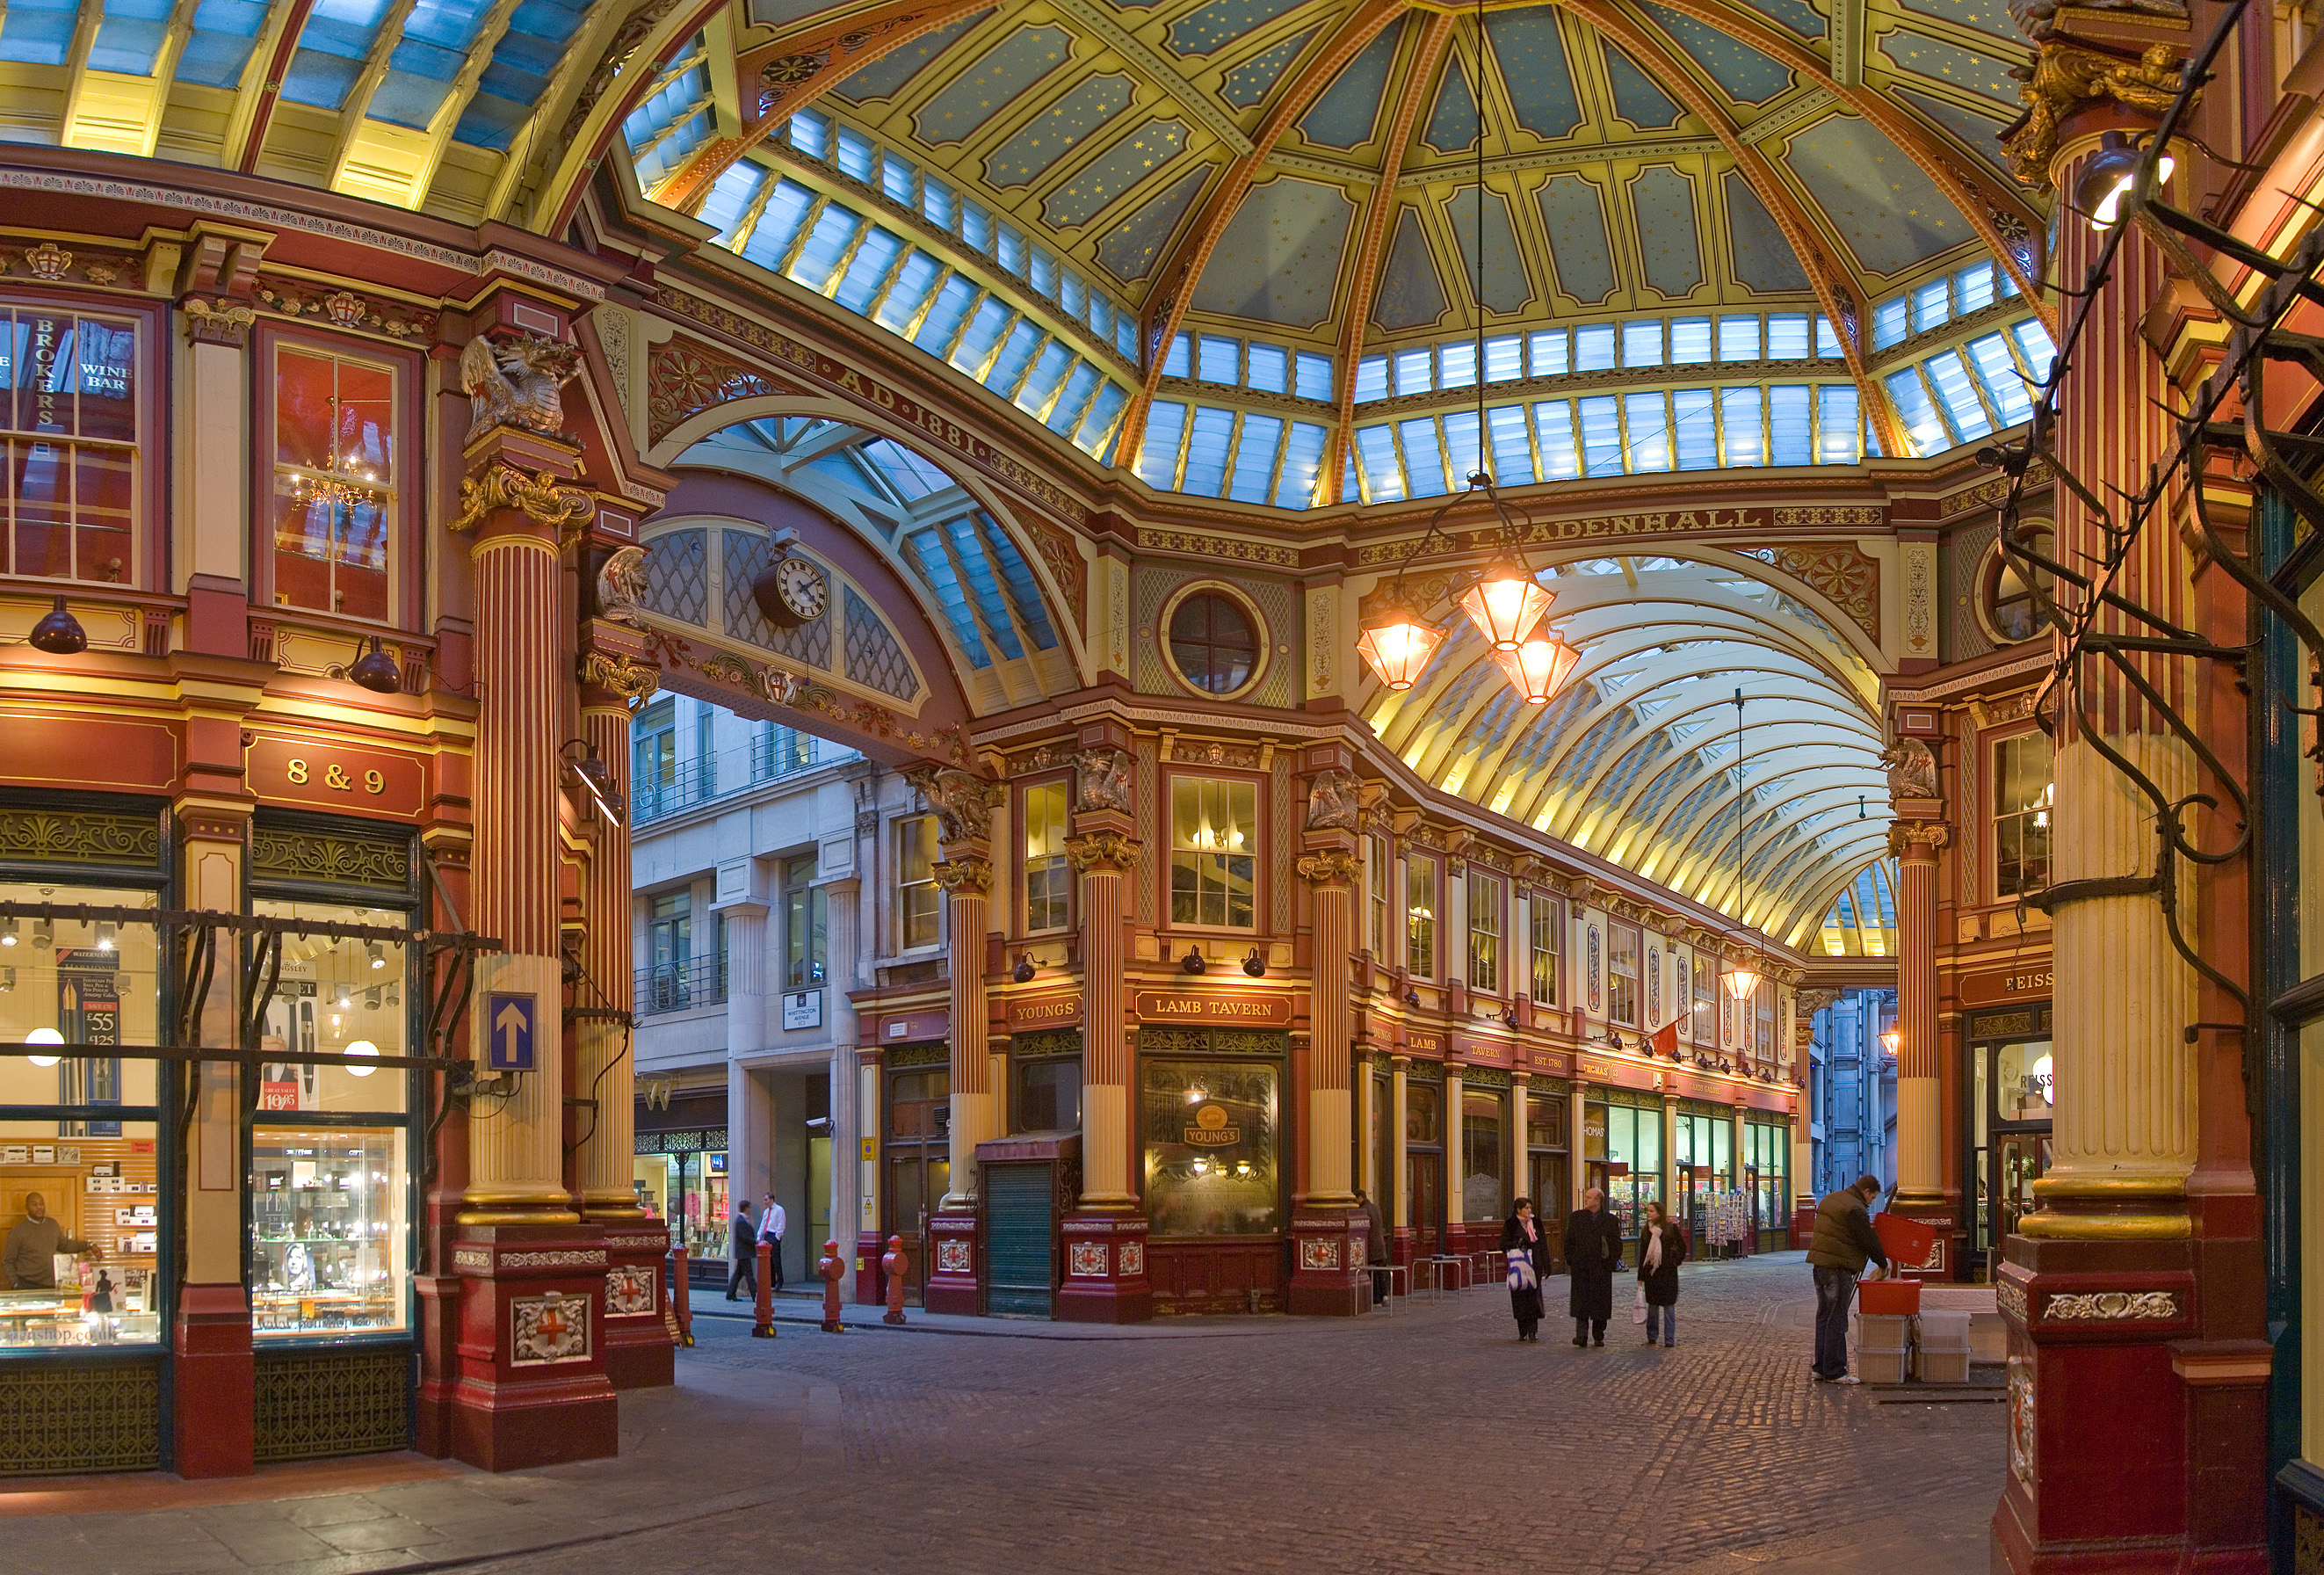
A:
371,999
1394,643
44,934
1505,604
106,933
361,1047
44,1036
1537,669
7,980
376,952
1740,980
8,933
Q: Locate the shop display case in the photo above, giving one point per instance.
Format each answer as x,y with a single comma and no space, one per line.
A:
327,1225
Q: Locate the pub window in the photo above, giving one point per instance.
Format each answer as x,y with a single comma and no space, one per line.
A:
805,920
1420,917
335,482
1483,1195
1214,870
330,1192
1765,1014
1376,883
917,896
1547,923
1705,982
1046,1095
1048,876
81,1211
2023,793
1211,1146
1484,934
68,435
1622,974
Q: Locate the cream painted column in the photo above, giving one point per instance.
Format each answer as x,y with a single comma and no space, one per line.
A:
1577,1170
967,882
1456,1169
1920,1117
606,1068
1397,1185
1672,1182
1806,1004
516,1160
1105,856
1331,874
842,900
1519,1152
1364,1151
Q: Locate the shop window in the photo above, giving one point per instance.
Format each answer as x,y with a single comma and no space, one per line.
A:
1048,873
1423,1113
1484,1191
1484,934
1420,917
81,1200
804,924
69,445
688,1188
1634,1162
339,998
2022,1080
327,1230
1545,945
1622,944
1214,870
918,902
1214,645
335,482
1048,1095
2023,793
1212,1147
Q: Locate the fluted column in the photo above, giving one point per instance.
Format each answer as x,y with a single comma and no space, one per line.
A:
605,1070
1920,1115
1331,874
967,882
516,1156
1104,857
1397,1184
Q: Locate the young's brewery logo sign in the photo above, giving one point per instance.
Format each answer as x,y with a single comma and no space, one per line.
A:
1210,1129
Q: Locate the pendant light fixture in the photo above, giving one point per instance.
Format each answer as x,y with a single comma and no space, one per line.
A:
1505,602
1740,980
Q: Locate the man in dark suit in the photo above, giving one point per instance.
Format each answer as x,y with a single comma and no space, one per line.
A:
1593,1251
742,1249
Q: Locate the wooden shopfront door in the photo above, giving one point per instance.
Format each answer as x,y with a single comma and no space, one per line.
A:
918,1164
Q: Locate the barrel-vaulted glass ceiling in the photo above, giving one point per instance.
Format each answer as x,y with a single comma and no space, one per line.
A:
1236,247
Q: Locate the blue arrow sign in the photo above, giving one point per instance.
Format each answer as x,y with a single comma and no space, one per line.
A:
508,1032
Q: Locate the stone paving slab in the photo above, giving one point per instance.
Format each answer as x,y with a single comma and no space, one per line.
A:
1429,1441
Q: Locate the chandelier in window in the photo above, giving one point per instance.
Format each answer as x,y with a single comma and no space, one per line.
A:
1505,603
347,483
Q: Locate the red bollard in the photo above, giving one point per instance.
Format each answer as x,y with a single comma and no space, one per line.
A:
764,1329
892,1261
681,1296
830,1268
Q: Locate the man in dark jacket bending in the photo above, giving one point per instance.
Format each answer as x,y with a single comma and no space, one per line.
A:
1844,1238
1593,1251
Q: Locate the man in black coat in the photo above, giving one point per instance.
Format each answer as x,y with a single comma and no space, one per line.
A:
1593,1251
742,1246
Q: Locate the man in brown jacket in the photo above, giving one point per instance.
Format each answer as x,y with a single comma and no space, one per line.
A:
1844,1238
1375,1243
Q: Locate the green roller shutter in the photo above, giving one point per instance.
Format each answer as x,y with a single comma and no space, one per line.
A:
1020,1253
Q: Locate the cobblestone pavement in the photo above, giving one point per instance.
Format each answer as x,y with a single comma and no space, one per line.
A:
1429,1441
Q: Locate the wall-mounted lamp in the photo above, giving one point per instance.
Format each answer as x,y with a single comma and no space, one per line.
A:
1192,962
1023,973
59,634
1255,965
595,780
1890,1039
1508,1017
375,671
1412,997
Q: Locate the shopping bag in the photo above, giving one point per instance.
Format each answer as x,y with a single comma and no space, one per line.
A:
1639,1307
1521,1271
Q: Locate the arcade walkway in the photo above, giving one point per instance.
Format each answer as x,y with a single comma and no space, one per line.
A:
1426,1442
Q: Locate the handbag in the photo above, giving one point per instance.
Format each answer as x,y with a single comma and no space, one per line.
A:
1639,1307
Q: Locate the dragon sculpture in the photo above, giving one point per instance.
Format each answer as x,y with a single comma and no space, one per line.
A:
516,382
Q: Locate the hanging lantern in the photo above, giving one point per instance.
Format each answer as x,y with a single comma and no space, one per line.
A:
1395,642
1505,604
1740,981
1537,669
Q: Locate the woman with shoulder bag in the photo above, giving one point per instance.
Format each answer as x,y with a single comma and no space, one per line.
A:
1662,1248
1521,1242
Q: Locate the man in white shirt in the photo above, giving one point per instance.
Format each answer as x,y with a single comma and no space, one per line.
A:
770,1231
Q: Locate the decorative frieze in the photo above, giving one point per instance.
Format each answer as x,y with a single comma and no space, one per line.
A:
2110,1307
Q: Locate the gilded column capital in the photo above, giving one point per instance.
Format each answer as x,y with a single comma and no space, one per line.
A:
964,876
2068,74
625,676
535,495
1102,851
1918,839
1330,868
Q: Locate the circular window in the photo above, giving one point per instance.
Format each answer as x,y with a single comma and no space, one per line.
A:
2006,604
1214,645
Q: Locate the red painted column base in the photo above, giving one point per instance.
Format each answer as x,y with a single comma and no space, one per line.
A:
532,1389
955,1282
1328,1277
1105,1269
214,1384
439,1366
638,1354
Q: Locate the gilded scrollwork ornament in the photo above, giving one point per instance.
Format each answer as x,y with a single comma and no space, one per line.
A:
537,497
2066,75
626,676
1330,867
1103,850
964,876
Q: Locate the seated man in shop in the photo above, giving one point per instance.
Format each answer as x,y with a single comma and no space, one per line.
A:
29,1261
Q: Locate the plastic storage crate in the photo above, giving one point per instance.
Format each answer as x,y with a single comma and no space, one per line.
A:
1943,1366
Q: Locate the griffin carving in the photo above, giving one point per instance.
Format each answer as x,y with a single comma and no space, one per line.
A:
1104,775
1335,803
516,382
1912,770
964,804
